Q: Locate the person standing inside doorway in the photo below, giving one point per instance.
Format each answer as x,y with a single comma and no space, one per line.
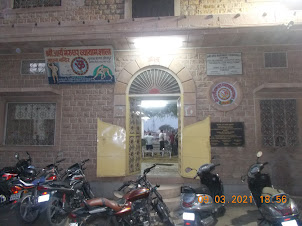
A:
161,140
149,142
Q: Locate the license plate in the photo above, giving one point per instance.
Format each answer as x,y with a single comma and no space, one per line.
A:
188,216
73,224
43,198
289,223
15,196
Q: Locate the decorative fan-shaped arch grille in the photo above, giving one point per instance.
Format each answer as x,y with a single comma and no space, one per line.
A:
154,81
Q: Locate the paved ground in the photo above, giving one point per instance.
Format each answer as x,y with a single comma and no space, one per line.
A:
235,215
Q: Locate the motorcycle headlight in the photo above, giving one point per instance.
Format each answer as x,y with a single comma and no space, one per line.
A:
294,207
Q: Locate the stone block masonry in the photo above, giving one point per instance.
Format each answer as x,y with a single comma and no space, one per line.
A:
94,10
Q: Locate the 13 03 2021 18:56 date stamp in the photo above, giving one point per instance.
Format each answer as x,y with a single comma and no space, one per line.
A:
239,199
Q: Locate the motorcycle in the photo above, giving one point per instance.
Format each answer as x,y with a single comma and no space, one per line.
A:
132,209
67,194
203,204
7,175
275,206
33,195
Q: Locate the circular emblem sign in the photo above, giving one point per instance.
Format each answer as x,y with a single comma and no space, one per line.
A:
224,93
79,65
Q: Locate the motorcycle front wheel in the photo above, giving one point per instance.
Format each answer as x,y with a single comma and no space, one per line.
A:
54,212
163,213
26,210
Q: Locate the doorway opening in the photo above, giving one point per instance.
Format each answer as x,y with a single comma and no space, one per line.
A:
160,122
158,114
154,105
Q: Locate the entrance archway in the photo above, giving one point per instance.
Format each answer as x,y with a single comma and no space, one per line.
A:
175,80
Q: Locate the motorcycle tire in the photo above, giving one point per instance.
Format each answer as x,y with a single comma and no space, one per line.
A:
55,215
163,213
24,211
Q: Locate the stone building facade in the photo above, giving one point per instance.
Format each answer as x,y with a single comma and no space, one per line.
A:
242,26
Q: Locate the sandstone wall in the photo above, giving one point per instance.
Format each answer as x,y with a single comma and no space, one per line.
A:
89,10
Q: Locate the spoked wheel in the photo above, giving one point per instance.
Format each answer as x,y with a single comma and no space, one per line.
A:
27,212
55,214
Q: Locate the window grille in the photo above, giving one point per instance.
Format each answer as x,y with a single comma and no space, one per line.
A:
33,67
30,124
279,122
275,60
35,3
152,8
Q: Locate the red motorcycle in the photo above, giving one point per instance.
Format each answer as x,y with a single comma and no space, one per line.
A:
132,209
7,175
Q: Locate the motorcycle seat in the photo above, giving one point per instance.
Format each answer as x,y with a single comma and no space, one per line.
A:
271,191
197,189
104,202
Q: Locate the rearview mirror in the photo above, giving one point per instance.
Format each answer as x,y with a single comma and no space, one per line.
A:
17,156
259,154
188,169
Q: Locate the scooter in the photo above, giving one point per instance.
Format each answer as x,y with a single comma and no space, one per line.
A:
275,206
203,204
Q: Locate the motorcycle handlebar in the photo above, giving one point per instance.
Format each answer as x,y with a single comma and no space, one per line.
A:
86,160
265,163
148,169
218,164
139,178
61,160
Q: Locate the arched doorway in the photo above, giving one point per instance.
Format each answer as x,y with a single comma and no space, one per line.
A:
117,150
152,83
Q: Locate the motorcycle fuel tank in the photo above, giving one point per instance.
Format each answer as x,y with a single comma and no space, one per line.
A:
136,194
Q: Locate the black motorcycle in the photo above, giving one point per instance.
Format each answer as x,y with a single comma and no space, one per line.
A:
203,204
9,174
275,206
67,194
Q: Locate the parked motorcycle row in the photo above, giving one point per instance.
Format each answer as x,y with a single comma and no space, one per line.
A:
48,191
64,197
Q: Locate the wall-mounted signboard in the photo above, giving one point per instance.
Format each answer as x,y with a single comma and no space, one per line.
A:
224,64
80,65
227,134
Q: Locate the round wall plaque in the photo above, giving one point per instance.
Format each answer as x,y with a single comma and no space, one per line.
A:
225,94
